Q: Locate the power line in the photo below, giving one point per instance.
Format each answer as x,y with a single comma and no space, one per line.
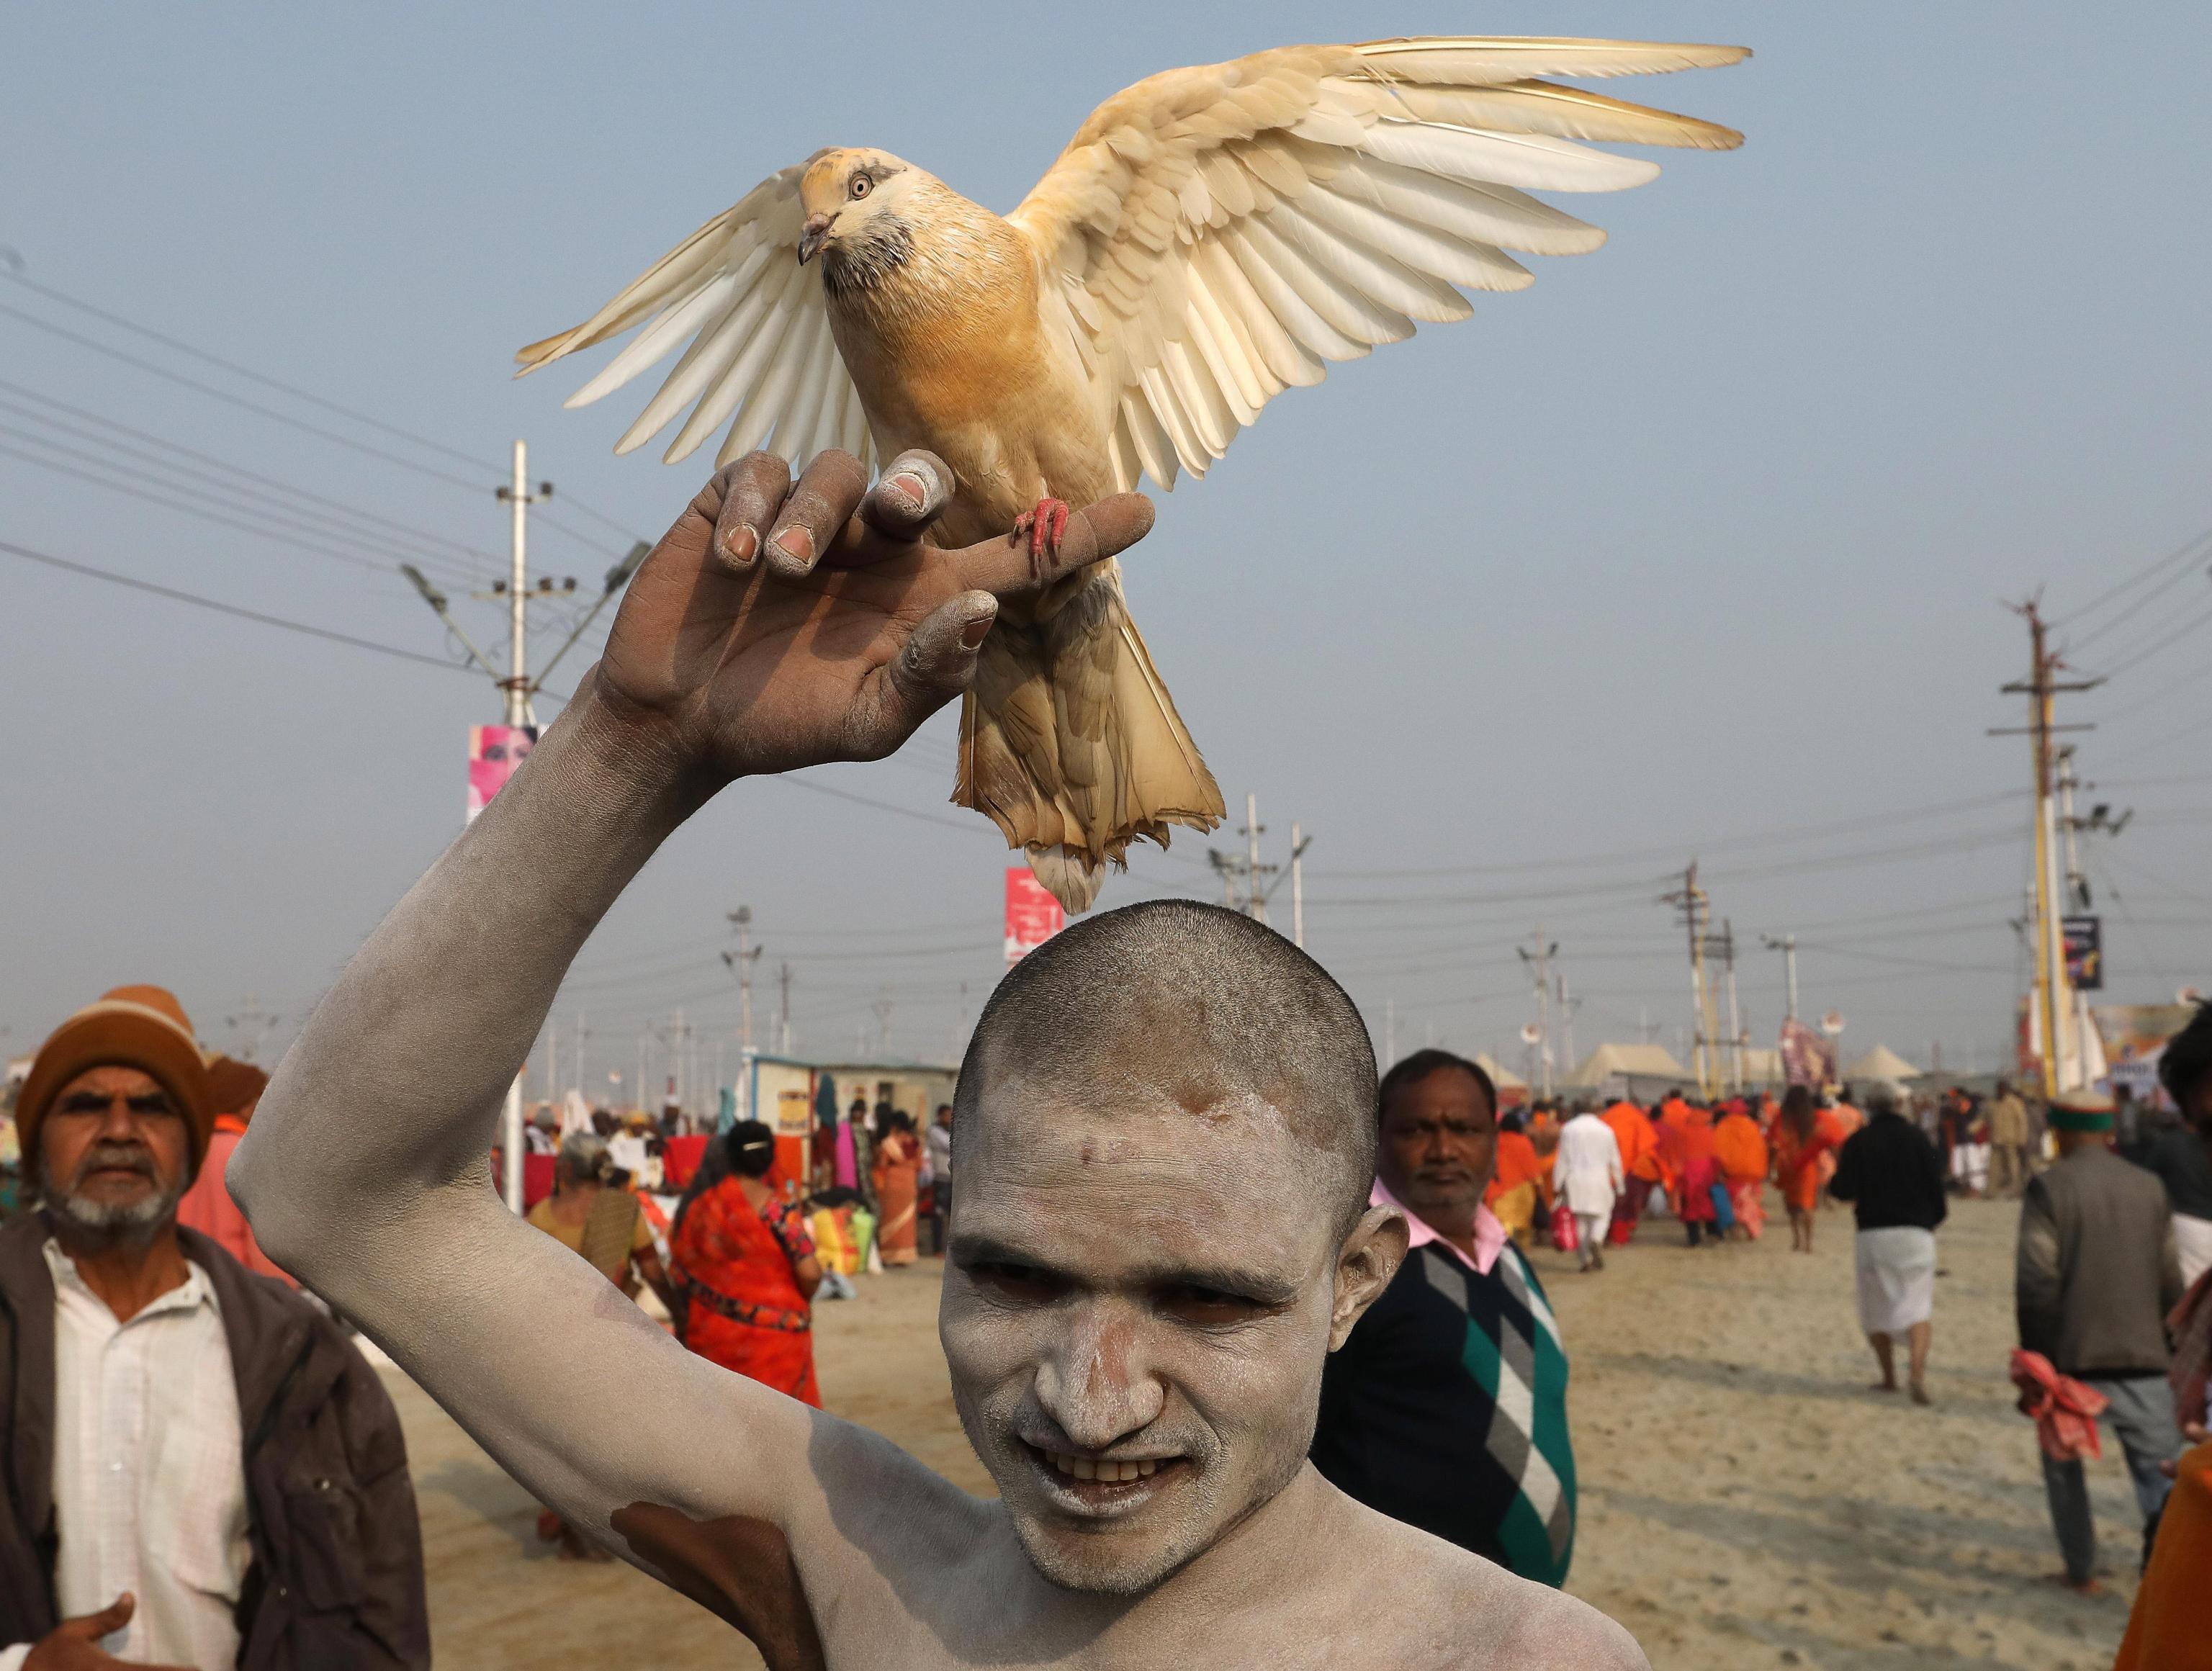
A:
148,493
239,401
306,536
428,539
277,384
1794,833
2178,554
248,373
219,608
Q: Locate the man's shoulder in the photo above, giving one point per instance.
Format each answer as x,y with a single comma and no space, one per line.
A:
1462,1611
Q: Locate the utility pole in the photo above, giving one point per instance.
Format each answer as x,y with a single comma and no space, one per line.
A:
741,962
1787,945
783,979
1257,909
1246,883
2042,687
1541,961
1567,1008
1736,1017
1298,889
517,688
882,1007
250,1026
1694,905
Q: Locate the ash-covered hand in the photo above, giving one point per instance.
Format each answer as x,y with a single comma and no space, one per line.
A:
779,625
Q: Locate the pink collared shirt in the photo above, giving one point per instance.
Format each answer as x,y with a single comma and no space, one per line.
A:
1489,1234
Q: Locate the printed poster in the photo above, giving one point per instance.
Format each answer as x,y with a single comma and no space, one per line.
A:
494,753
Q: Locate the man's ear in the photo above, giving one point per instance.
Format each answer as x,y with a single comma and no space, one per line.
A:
1370,1256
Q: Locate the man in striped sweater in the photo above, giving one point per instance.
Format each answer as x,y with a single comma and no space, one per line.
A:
1446,1408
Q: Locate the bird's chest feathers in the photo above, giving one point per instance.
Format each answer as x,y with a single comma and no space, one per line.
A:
956,362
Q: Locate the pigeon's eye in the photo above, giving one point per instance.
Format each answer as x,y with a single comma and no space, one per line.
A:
861,186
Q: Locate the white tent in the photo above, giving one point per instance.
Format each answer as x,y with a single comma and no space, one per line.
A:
1609,1062
1504,1077
1881,1063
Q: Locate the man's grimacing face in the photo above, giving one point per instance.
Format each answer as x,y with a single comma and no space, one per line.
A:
1142,1289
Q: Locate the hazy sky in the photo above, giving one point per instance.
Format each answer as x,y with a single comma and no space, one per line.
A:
1698,548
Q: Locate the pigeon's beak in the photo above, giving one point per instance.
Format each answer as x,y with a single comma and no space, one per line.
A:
811,239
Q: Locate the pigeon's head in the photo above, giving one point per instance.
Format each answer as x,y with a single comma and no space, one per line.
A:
858,207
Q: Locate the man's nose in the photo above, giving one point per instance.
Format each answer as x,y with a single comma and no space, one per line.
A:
1094,1382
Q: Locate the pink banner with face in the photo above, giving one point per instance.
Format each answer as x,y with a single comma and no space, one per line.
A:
494,753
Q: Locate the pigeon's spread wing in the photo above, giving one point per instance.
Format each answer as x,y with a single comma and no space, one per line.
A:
761,351
1219,232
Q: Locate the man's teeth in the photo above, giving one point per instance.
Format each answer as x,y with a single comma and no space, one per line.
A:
1083,1467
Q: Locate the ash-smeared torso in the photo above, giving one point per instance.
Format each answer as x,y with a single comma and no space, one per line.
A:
940,332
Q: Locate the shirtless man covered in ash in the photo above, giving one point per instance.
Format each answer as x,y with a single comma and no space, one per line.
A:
1165,1140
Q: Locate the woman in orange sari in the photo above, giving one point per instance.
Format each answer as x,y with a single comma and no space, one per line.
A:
897,1176
748,1267
1799,1148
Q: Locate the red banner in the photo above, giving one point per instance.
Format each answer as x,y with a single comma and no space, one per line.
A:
1033,916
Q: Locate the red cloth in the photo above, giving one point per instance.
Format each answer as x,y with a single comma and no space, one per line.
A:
207,1206
680,1157
726,1247
2064,1411
537,1179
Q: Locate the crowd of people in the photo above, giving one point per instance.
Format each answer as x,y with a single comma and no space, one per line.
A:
125,1278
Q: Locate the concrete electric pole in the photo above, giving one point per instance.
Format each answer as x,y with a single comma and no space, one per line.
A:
1787,945
2061,1068
1540,960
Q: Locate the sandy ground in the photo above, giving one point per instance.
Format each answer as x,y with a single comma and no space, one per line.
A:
1746,1501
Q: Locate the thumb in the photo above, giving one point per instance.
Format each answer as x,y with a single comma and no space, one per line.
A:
936,666
91,1626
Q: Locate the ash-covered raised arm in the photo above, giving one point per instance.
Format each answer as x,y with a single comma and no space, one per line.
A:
772,628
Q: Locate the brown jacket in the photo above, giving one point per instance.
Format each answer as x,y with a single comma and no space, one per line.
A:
336,1578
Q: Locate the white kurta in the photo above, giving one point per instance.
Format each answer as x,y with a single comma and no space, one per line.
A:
149,1481
1586,1171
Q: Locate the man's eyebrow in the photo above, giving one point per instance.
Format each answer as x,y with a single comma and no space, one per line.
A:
1260,1287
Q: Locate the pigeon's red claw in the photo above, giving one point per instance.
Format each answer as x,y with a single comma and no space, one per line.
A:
1046,526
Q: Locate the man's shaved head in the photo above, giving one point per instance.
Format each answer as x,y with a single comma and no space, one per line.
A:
1165,1141
1201,1003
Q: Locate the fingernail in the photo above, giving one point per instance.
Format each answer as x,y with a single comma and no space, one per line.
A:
911,486
797,543
742,544
973,635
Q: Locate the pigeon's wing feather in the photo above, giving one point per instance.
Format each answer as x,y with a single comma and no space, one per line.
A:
1219,233
761,355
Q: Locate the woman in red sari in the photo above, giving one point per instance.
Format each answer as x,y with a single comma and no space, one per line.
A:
748,1268
897,1178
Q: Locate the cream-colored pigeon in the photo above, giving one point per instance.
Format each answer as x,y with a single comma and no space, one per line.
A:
1211,237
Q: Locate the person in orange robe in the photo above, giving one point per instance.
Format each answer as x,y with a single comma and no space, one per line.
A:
748,1268
2166,1630
1741,1149
1511,1195
1686,1158
1799,1146
1639,1165
206,1206
898,1177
